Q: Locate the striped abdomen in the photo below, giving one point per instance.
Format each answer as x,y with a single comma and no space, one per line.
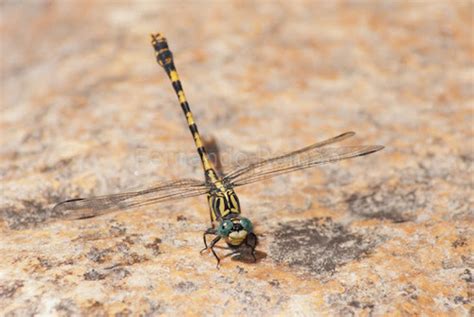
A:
165,59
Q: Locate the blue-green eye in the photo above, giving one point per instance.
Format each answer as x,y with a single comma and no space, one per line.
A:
246,224
225,228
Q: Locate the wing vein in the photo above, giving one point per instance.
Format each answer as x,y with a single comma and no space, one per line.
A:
80,208
309,156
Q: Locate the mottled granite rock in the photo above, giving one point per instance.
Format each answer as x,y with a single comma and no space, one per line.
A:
86,111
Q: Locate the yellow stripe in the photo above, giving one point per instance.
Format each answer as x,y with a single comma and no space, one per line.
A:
210,200
217,183
174,76
197,140
221,205
208,166
181,96
189,118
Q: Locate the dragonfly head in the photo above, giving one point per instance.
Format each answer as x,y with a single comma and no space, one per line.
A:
236,230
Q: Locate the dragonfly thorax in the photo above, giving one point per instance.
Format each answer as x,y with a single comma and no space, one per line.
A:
223,204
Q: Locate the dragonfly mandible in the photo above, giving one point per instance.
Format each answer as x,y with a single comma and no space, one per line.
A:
227,222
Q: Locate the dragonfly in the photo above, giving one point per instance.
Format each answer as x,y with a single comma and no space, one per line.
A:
227,222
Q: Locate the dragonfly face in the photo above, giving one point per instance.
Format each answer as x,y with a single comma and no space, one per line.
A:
235,230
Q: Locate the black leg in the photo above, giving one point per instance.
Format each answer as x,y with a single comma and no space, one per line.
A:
211,246
207,232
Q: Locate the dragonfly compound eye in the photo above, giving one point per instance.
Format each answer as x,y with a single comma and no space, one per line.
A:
225,228
246,224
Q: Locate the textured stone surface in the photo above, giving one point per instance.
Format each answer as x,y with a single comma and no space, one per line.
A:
86,111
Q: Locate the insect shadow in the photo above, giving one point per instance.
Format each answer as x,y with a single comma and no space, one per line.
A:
214,154
242,254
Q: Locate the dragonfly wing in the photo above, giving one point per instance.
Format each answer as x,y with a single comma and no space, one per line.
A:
81,208
248,159
306,157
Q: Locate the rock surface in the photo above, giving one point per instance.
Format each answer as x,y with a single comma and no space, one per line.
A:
86,111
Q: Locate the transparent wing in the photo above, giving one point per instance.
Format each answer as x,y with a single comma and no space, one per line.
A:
306,157
81,208
240,167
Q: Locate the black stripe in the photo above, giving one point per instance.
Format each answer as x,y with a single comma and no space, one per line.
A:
216,207
226,204
202,151
185,107
159,44
177,86
193,129
165,59
168,67
232,195
231,205
237,201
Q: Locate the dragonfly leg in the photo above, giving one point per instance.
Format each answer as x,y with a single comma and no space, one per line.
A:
211,246
207,232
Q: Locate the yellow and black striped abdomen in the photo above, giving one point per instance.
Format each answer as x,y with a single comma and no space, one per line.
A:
164,57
